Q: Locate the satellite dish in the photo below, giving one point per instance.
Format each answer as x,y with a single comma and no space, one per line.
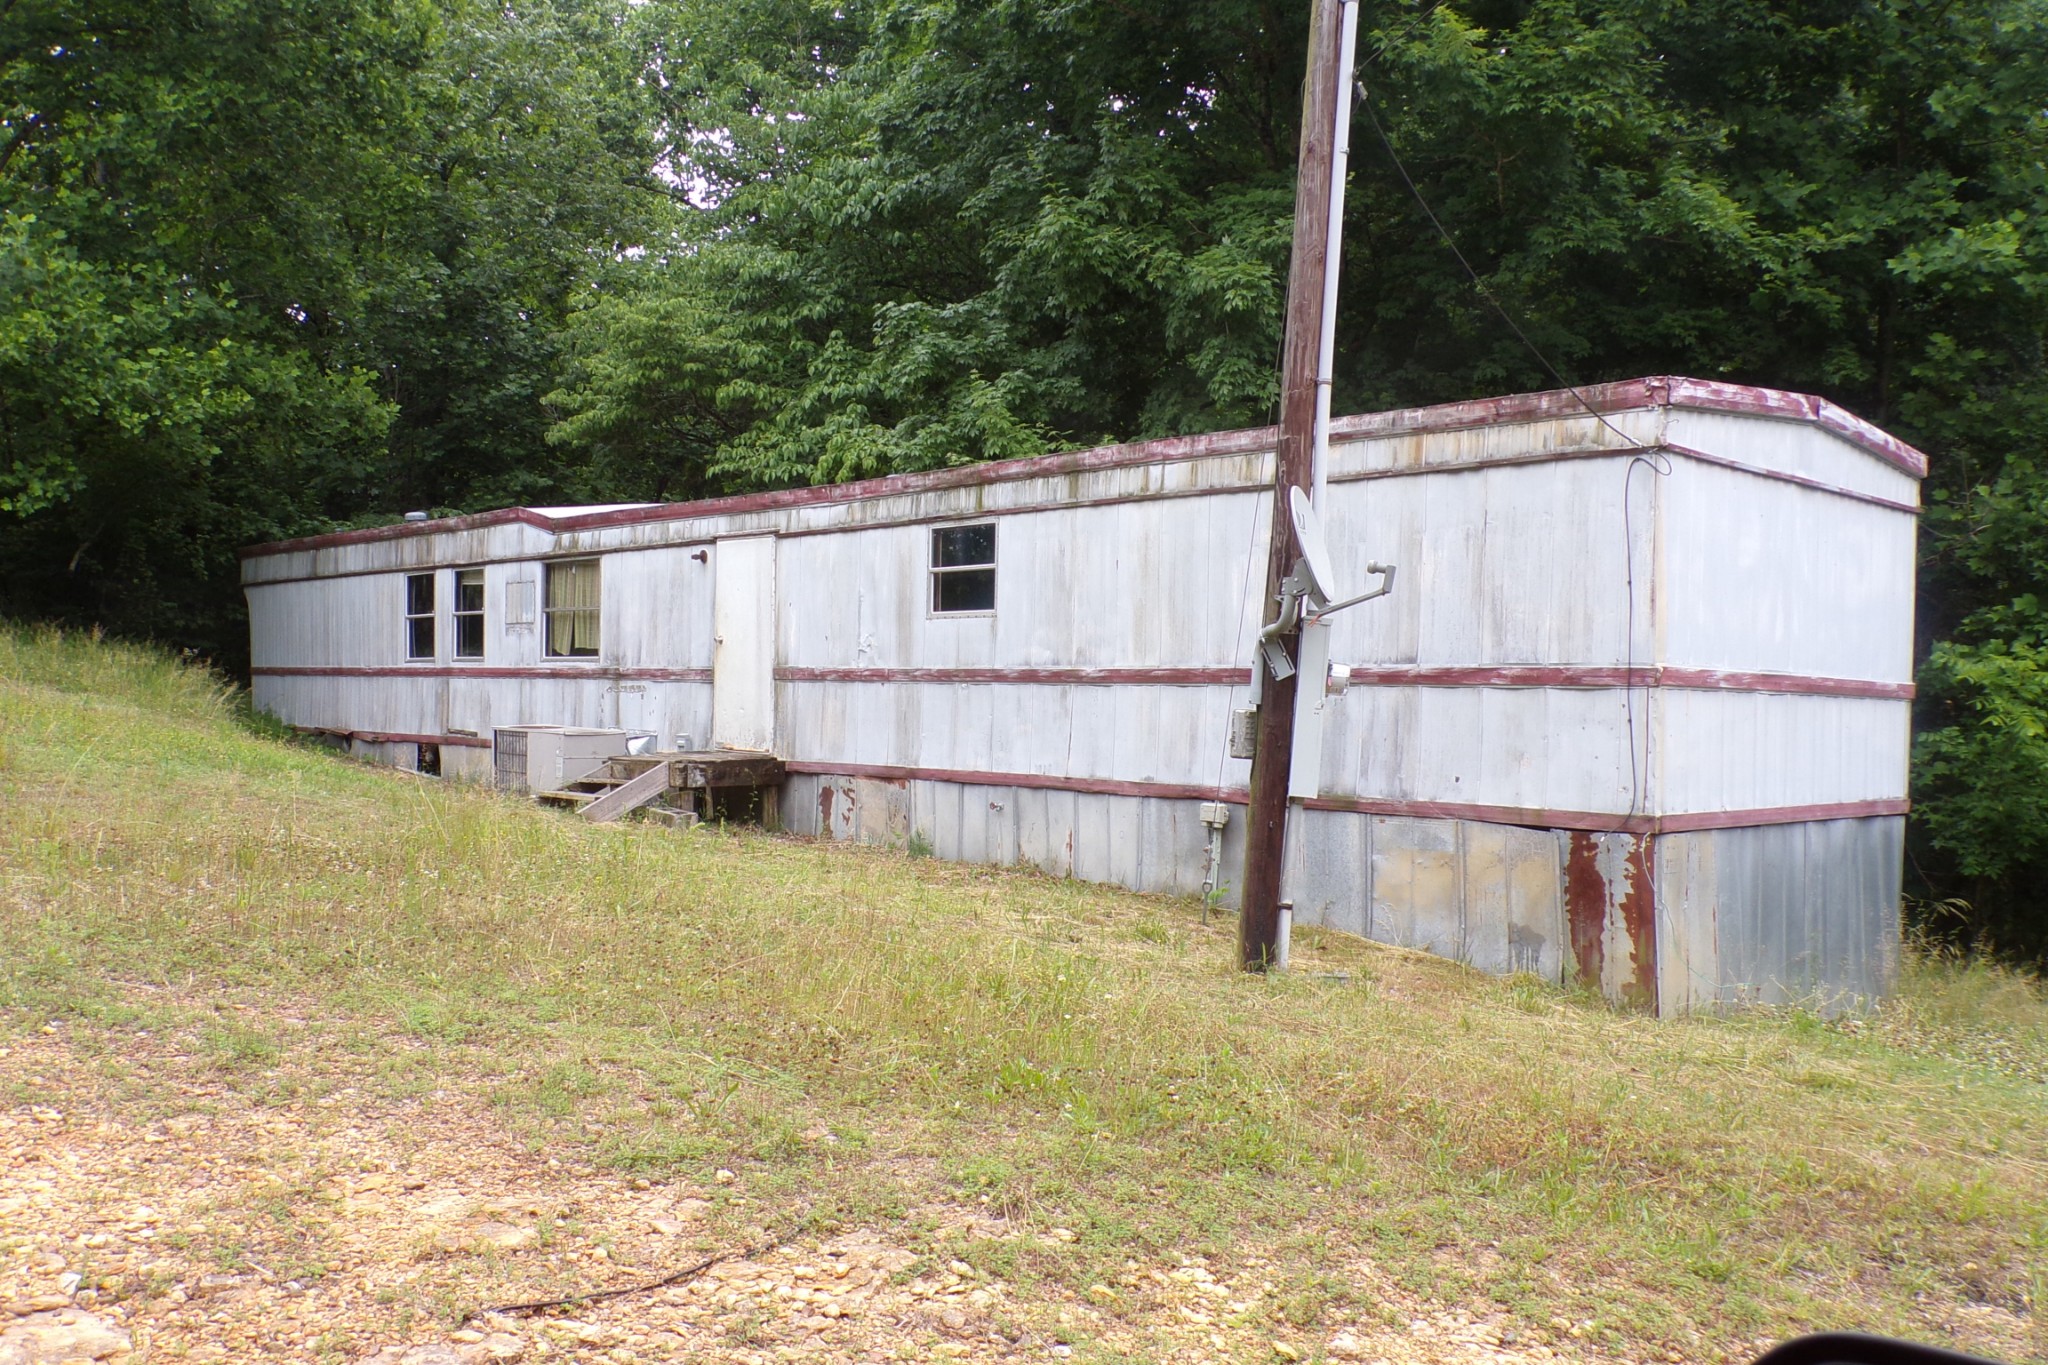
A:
1315,546
1308,602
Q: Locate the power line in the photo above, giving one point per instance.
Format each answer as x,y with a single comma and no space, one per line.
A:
1478,283
1654,460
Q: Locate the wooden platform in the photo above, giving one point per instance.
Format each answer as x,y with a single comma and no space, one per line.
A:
675,779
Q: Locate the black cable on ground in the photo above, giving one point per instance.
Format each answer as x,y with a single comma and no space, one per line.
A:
679,1277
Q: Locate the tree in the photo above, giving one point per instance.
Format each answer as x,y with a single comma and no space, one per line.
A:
272,267
935,234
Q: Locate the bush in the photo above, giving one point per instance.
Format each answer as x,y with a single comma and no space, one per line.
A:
1980,793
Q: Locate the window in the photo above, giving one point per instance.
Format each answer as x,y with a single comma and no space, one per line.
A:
469,614
571,609
419,616
964,568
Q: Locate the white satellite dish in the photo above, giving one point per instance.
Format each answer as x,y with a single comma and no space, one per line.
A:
1315,546
1307,594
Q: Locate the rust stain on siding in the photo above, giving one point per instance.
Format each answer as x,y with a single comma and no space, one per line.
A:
1610,903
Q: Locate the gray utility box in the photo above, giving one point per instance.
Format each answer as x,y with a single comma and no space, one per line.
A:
545,758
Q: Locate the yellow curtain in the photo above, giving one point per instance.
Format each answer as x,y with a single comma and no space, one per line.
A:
573,599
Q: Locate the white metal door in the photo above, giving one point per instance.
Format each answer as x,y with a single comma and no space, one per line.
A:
743,644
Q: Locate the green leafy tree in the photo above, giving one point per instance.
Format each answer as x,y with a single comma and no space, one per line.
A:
935,234
149,341
269,266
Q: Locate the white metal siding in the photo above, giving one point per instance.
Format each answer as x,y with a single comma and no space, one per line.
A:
1771,577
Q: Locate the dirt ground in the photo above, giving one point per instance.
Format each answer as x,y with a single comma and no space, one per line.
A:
158,1205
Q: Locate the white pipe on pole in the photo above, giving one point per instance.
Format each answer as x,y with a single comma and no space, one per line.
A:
1319,443
1333,251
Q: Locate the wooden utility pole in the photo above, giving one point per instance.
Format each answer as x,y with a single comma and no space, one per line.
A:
1258,935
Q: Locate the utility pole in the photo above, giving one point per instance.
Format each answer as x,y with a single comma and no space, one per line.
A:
1259,922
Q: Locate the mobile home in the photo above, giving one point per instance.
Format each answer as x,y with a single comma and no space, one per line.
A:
1636,711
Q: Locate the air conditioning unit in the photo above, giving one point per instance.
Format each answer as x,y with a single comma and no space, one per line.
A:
545,758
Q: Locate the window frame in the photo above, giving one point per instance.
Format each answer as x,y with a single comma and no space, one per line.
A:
415,619
936,573
457,616
548,609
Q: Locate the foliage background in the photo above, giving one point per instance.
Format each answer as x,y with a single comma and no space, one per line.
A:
273,266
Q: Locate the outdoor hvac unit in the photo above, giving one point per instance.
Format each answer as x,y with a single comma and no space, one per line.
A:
543,758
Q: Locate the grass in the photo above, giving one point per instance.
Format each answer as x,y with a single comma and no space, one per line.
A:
834,1022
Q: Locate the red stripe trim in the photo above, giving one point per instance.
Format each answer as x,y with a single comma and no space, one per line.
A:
1540,818
1399,675
1783,815
1614,675
423,670
1091,786
1626,395
1714,680
1780,476
1437,810
696,675
1512,675
1171,677
1607,822
377,737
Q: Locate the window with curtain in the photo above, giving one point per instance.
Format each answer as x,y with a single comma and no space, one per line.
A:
571,609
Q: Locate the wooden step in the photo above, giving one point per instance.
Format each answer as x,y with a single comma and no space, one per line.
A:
565,798
629,782
647,787
727,768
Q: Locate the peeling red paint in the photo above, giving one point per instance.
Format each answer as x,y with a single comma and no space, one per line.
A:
1532,818
1611,906
1229,675
1585,903
825,795
1654,391
1612,675
1393,675
898,776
